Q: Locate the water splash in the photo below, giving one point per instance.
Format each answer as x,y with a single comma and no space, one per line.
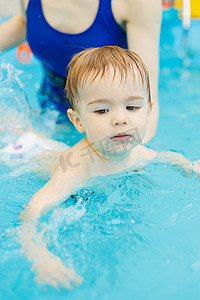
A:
19,141
16,113
14,107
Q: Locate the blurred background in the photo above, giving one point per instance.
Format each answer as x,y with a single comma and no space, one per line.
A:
9,7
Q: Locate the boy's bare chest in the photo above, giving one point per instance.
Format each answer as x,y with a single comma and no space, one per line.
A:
75,16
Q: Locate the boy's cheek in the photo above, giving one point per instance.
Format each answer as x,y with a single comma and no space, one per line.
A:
140,130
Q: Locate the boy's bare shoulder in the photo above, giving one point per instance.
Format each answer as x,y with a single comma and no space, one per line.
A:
75,161
148,153
144,156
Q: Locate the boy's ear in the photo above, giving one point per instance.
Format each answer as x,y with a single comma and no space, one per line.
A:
75,119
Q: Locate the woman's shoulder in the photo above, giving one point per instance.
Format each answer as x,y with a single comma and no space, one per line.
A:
24,5
136,10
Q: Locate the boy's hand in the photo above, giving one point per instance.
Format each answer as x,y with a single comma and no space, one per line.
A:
50,270
196,169
186,167
186,170
190,169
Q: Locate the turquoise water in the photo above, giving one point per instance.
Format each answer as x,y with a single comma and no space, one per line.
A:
131,236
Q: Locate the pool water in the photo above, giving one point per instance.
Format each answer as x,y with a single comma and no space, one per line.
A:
132,236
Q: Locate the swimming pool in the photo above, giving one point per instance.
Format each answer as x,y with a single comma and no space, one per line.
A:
136,236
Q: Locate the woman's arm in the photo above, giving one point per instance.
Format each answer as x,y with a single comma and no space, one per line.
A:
13,31
143,32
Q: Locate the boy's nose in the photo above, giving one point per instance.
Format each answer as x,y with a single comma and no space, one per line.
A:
119,120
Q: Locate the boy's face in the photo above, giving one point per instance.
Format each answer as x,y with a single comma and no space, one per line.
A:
113,114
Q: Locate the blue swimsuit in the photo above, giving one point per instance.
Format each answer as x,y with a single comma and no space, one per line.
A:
55,49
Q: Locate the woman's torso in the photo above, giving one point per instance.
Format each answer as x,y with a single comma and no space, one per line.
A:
56,30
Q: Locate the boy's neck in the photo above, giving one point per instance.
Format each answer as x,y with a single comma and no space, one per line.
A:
117,162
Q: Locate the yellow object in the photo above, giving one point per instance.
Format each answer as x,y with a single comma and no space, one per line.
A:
195,7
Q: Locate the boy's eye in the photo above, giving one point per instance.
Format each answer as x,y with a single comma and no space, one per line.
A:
130,107
101,111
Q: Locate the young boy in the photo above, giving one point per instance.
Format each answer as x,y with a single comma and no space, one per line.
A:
109,92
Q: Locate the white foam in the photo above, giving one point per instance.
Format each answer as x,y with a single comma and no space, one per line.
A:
31,142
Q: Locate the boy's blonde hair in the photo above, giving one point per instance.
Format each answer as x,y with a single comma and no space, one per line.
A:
93,62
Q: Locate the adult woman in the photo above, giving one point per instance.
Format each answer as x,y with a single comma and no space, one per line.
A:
56,30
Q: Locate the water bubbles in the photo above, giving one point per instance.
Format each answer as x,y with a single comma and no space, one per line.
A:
29,76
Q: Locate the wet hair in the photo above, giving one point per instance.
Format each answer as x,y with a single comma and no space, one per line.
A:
87,65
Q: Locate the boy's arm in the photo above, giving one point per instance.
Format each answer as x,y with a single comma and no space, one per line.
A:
64,181
13,31
184,165
48,268
143,32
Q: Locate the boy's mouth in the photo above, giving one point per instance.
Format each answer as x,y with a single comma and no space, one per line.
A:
121,137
